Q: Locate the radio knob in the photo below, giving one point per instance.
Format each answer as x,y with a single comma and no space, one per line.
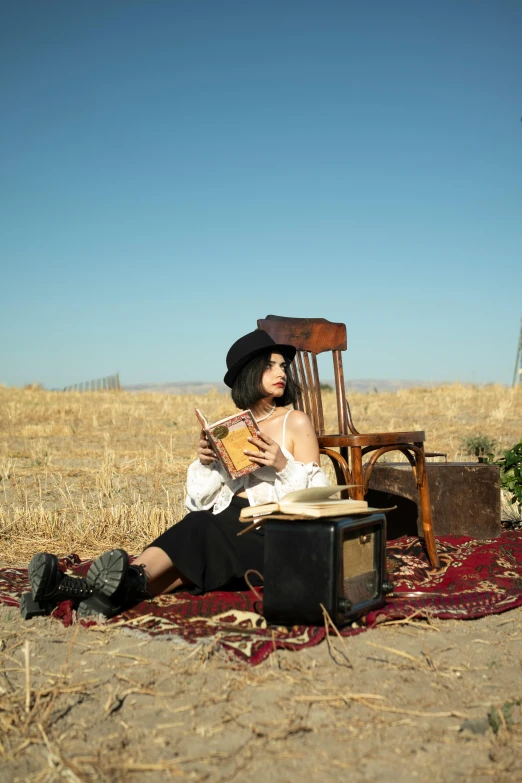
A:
344,605
387,587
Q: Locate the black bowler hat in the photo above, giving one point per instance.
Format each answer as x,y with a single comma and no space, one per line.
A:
250,346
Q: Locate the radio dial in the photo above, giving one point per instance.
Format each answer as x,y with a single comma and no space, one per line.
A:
344,605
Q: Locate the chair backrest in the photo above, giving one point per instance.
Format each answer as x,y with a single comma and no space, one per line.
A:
312,336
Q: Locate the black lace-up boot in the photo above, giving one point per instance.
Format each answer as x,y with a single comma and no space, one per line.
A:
50,586
116,585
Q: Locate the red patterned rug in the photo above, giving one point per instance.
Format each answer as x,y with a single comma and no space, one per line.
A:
477,578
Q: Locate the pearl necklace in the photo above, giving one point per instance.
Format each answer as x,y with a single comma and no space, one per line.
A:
267,415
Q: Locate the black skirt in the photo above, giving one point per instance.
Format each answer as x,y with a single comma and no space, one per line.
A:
206,549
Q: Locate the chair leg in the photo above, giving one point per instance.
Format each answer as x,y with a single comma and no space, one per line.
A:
348,478
357,473
427,525
419,470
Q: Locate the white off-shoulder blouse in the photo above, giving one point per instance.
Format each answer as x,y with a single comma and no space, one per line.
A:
209,487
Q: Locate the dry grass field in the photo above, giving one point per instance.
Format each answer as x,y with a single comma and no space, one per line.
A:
84,472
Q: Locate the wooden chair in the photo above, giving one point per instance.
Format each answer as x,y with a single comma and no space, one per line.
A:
312,336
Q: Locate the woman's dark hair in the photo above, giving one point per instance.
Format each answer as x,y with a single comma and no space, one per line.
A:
248,386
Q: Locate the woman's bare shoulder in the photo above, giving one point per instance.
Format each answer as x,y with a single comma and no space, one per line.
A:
299,421
303,438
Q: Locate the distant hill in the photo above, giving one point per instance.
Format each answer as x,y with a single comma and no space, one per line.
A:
380,385
203,387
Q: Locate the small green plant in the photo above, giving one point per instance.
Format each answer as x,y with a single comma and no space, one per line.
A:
481,446
511,473
502,716
326,387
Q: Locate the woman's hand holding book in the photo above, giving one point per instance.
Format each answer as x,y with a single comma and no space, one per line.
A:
269,454
205,451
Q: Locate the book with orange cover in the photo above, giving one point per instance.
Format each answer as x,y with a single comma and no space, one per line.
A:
229,438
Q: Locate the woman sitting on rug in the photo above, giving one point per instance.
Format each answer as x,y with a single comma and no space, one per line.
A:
203,552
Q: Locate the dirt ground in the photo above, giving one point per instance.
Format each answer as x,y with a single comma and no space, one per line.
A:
412,701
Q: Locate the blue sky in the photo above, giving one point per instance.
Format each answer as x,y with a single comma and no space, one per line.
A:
173,170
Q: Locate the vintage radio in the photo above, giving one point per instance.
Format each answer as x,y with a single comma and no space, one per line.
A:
339,563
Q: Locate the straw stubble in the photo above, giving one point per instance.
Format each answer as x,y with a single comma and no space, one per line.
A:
86,472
